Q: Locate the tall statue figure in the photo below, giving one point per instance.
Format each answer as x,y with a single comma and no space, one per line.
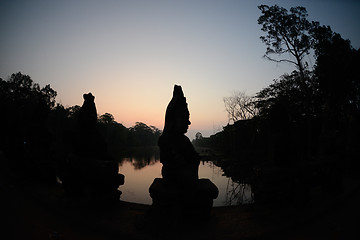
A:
180,195
177,154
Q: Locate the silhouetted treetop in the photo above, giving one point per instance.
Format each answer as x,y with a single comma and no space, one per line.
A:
143,135
310,113
287,32
106,118
25,108
306,92
336,70
20,87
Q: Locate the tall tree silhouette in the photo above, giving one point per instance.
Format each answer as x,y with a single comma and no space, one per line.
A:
25,106
287,32
336,71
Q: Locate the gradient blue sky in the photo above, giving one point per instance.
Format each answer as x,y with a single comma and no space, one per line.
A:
129,54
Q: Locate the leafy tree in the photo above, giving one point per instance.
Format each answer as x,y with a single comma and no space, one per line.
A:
25,108
287,32
24,104
290,92
321,103
19,89
106,118
333,84
49,95
156,132
73,111
290,32
143,135
336,71
115,134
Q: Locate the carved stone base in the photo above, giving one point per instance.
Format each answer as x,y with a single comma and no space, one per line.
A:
96,180
183,203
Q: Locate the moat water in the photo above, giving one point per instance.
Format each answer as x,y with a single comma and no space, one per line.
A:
140,173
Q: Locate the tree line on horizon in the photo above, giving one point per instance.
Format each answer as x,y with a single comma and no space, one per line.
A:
118,137
36,131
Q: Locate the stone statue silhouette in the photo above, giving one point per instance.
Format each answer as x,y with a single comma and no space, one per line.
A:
88,113
88,140
177,154
90,172
180,195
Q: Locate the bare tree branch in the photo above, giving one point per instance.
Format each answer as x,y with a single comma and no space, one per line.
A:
281,60
240,106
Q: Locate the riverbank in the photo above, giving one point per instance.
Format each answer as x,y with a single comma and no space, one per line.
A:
41,211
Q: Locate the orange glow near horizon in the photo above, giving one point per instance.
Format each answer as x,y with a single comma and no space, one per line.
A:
147,103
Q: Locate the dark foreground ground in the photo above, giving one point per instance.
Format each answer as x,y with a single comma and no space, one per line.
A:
40,211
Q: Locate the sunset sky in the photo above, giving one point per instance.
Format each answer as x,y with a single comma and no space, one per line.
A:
129,54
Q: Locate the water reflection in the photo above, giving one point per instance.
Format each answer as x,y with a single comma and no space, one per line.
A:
141,157
138,180
238,193
140,172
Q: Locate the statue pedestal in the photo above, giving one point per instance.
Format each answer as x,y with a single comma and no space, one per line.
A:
183,202
93,179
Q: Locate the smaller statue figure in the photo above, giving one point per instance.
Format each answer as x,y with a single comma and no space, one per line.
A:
90,171
88,114
88,140
177,154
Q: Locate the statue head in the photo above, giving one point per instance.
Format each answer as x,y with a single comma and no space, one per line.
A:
177,114
88,113
88,97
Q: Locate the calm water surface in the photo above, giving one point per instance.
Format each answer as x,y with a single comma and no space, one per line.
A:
141,172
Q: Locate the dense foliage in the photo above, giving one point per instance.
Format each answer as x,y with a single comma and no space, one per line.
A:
303,140
311,114
119,139
24,108
37,132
